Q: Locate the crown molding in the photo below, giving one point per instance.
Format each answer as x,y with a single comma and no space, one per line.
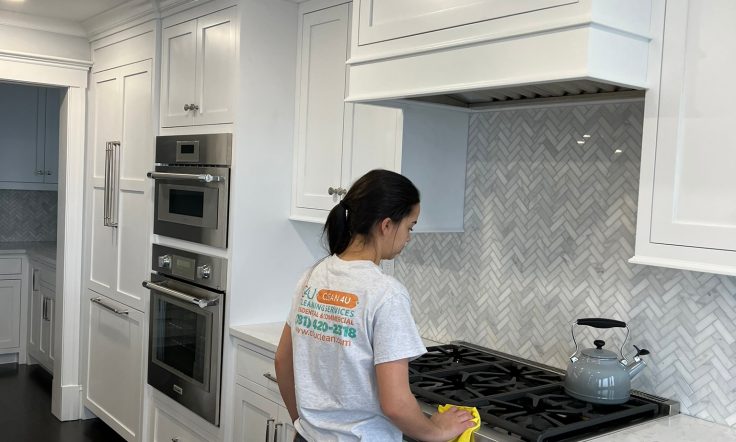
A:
53,25
47,60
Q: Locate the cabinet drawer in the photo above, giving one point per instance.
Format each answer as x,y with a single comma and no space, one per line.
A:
168,429
257,368
10,266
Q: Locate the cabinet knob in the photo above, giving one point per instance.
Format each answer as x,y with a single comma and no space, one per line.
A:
191,107
341,191
48,172
333,191
39,172
186,107
174,439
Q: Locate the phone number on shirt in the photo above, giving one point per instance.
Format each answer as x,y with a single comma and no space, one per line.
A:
324,326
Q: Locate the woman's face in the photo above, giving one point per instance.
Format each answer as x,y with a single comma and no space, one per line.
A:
402,234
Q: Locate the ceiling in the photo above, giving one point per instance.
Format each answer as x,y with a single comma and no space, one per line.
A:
71,10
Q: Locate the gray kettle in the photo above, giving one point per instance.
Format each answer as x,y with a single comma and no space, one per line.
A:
600,376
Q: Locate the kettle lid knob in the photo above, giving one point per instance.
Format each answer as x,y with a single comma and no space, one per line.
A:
599,343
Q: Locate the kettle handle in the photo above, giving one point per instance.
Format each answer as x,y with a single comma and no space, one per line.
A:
601,322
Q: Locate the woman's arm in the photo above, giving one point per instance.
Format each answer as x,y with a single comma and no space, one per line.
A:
400,406
284,363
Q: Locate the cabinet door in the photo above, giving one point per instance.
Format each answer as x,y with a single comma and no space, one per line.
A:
388,19
115,364
319,144
167,429
9,313
286,428
373,140
121,112
694,175
35,317
215,67
46,341
19,113
51,137
255,417
178,73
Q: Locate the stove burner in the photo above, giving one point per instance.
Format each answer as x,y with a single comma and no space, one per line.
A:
521,399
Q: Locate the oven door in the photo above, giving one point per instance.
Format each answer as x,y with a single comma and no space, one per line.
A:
185,344
191,203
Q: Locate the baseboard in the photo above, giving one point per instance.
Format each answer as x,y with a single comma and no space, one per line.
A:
9,358
70,403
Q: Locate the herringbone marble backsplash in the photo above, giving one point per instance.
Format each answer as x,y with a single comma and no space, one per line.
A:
549,227
27,215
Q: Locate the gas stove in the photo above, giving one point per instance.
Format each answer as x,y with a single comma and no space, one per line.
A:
520,400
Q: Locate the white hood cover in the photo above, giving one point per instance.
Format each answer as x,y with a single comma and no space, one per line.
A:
563,48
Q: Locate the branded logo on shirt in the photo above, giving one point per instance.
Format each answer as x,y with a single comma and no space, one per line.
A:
327,316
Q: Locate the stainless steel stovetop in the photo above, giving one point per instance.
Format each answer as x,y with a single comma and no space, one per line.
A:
520,400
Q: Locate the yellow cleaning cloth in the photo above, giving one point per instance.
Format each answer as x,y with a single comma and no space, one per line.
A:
467,435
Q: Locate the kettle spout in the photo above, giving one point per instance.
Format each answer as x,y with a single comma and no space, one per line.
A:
635,367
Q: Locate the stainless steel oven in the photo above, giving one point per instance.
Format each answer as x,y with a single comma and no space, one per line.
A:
186,328
192,187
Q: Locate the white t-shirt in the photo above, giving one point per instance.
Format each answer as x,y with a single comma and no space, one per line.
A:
346,319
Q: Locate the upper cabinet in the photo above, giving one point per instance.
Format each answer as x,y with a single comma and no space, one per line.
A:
29,137
686,216
337,142
198,69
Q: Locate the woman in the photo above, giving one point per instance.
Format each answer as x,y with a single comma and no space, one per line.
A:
343,359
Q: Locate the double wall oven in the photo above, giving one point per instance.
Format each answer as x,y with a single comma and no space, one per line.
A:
186,328
192,187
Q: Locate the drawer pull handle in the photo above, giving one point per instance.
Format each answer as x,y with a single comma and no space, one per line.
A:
276,432
268,427
112,309
270,377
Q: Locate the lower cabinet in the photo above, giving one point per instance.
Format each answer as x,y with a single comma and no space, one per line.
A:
10,297
166,428
260,415
116,355
41,315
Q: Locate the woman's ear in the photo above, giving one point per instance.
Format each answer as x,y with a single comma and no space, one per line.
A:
385,226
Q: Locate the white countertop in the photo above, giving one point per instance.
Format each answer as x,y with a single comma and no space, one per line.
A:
678,428
42,250
267,335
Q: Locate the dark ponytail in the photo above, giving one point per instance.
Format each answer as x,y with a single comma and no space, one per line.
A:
377,195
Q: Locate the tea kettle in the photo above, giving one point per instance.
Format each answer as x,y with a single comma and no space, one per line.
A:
597,375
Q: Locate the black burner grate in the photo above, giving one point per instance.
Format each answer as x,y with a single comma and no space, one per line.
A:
526,401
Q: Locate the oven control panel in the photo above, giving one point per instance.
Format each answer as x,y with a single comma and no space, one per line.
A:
206,270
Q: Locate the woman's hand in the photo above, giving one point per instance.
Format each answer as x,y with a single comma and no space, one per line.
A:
453,422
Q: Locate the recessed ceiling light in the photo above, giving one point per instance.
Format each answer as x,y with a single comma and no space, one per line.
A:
586,136
617,151
581,142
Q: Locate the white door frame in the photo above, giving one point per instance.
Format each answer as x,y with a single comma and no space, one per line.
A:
66,403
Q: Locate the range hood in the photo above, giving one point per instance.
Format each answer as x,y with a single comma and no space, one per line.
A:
564,49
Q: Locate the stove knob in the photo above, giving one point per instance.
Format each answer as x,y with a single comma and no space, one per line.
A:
164,261
204,271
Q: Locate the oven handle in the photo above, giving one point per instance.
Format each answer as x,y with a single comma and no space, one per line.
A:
202,303
203,177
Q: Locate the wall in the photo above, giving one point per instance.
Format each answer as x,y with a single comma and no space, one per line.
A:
549,226
27,215
37,42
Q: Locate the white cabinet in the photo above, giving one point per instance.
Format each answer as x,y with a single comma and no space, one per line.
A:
381,20
167,428
686,216
198,70
259,411
10,297
11,303
115,364
120,153
29,137
337,142
41,314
